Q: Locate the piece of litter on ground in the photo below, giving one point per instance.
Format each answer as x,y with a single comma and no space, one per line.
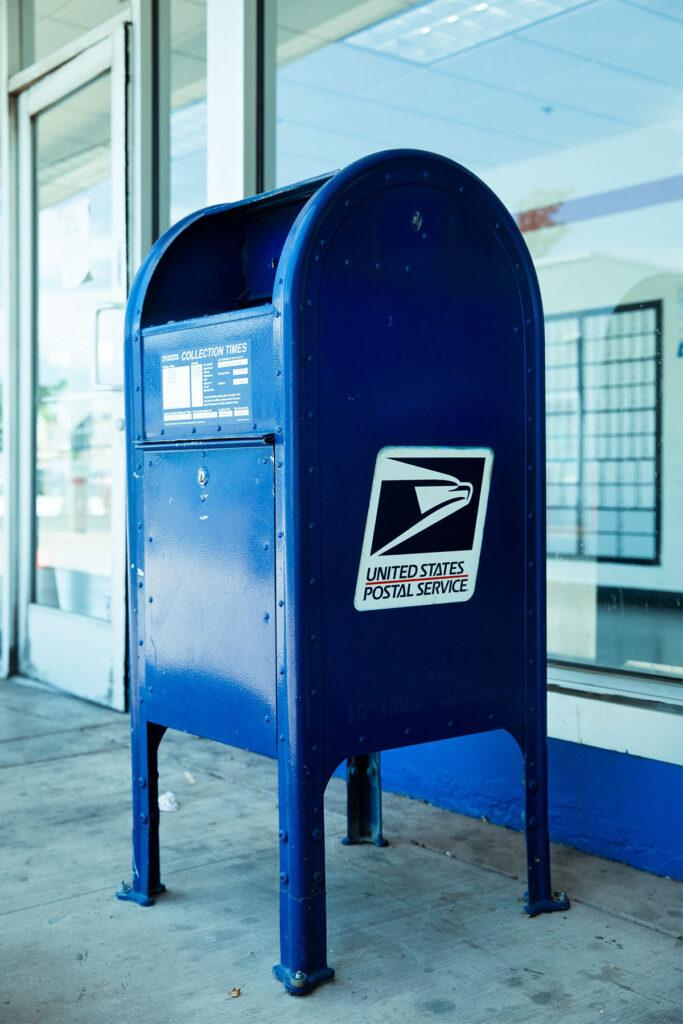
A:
168,802
190,778
235,993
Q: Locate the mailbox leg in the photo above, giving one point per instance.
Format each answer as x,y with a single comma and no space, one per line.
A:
540,897
364,800
303,926
146,883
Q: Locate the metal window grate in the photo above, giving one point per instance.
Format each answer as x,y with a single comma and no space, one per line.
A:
603,433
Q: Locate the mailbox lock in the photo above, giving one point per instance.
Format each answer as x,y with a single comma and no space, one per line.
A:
202,476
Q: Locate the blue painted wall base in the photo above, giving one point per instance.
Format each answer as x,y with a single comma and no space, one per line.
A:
628,809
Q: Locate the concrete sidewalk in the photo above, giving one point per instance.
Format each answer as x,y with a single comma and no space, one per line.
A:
429,929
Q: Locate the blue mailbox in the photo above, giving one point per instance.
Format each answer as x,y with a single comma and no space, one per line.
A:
336,501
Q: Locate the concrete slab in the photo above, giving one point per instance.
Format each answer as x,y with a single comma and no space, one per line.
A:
430,929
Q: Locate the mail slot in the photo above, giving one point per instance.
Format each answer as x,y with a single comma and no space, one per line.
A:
336,502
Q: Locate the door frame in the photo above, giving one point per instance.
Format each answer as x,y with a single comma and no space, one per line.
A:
76,662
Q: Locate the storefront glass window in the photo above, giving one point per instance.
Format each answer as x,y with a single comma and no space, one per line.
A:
582,140
48,24
3,363
75,268
188,106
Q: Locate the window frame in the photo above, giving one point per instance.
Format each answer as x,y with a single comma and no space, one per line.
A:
580,316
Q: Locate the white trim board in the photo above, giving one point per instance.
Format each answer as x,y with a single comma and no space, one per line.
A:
625,728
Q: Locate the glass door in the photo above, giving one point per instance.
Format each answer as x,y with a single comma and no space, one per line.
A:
72,145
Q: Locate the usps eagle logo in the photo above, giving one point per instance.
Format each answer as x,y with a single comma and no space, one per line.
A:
424,526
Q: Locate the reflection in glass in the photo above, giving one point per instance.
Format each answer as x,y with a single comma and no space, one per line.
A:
188,107
76,272
3,349
572,113
46,25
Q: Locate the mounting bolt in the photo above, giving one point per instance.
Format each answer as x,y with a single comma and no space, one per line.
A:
283,836
299,979
284,878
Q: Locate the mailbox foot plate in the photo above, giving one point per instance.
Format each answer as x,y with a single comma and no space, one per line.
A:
380,841
143,899
559,901
300,984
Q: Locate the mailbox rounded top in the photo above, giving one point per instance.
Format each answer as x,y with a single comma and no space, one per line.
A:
263,248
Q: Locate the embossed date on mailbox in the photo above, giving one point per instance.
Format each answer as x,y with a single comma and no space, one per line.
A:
405,704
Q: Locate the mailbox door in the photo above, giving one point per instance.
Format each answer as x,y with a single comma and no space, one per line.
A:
209,592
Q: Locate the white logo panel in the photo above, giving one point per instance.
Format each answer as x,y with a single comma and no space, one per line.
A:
424,529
